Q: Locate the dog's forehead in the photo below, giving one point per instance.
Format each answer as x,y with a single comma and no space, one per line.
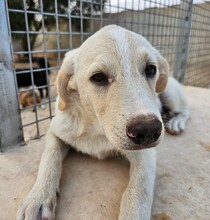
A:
118,33
125,39
129,46
122,35
117,47
114,37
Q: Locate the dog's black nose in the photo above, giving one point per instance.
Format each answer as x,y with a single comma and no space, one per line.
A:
144,129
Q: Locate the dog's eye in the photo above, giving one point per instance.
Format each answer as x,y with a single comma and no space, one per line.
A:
150,71
99,79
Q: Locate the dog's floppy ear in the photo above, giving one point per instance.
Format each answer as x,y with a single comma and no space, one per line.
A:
163,70
63,78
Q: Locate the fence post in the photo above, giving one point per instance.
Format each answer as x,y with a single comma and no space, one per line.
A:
179,71
10,122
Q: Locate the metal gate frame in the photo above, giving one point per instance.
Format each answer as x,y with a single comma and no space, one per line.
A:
11,132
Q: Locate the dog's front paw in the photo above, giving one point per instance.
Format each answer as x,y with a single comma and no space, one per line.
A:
37,206
177,123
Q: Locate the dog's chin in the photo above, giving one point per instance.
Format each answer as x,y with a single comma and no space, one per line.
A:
134,147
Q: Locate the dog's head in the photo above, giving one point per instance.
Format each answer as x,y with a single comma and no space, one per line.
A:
117,74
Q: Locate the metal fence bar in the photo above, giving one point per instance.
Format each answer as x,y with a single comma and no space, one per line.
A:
46,60
188,22
183,40
30,62
10,122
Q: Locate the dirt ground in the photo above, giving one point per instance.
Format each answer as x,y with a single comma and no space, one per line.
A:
91,189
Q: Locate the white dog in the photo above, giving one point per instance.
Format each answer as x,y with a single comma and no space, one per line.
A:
108,101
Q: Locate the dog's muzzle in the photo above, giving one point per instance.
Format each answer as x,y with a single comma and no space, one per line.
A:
144,130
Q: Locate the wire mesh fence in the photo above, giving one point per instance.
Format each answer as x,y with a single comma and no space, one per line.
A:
43,31
198,62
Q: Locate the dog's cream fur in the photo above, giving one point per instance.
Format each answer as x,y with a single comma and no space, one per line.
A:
93,119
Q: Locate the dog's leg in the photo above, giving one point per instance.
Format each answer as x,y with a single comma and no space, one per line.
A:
47,92
137,199
41,93
41,200
174,99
